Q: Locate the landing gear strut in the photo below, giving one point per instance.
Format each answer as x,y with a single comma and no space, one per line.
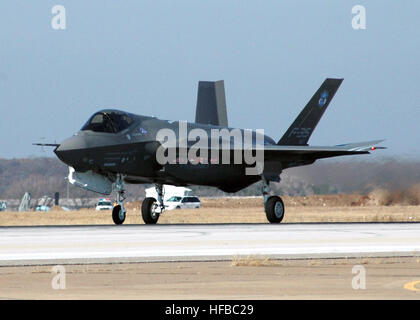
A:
151,208
273,205
119,213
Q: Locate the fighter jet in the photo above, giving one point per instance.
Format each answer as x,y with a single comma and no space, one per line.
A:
114,148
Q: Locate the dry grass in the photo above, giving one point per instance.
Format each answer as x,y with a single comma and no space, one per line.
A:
252,261
232,210
212,215
409,196
258,261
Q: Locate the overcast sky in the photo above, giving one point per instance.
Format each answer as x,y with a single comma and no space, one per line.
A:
147,57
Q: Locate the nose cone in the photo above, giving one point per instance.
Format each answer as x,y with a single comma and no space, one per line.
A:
70,150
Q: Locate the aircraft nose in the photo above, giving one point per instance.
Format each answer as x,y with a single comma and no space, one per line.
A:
69,150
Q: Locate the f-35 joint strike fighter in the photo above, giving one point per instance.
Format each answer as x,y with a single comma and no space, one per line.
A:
115,147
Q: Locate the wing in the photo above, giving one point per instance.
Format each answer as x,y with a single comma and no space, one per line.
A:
286,153
278,152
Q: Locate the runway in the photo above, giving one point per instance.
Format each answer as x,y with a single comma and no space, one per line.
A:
145,243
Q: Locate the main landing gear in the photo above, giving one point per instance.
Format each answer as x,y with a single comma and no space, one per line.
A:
273,205
152,209
119,212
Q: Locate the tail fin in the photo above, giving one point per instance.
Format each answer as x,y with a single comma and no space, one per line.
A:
302,128
211,103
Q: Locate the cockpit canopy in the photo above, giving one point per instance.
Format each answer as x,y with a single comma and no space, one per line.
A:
110,121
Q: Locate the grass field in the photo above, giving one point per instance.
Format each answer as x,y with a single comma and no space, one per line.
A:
332,208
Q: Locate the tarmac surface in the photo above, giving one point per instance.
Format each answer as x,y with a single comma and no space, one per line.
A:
50,245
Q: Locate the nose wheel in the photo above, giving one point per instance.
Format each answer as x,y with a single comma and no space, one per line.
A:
119,212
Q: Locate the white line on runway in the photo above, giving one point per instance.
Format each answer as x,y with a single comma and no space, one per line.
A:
89,244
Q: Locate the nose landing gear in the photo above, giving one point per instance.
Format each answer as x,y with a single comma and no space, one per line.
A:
119,212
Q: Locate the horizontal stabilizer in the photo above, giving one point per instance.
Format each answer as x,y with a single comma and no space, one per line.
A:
362,146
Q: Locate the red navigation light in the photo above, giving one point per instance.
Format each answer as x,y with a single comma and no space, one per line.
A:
373,148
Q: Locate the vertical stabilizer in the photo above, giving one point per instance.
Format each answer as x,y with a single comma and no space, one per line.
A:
211,103
302,128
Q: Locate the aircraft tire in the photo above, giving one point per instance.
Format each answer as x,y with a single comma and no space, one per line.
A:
118,216
148,216
274,209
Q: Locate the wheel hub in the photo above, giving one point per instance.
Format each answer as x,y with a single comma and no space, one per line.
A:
278,209
121,214
153,212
